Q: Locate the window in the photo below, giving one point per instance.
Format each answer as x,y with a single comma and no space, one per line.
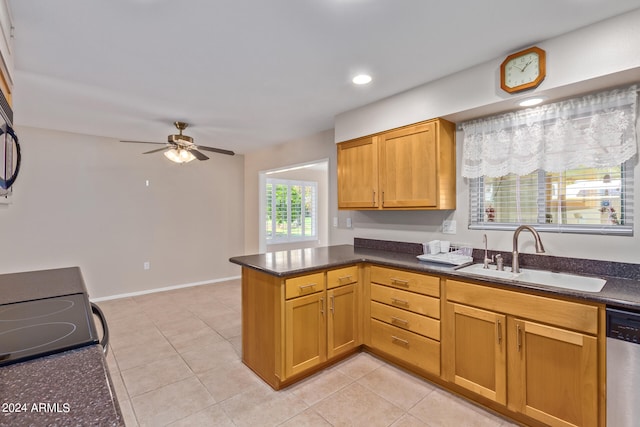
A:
579,200
566,167
291,210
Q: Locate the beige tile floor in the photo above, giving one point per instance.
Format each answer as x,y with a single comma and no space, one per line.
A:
175,360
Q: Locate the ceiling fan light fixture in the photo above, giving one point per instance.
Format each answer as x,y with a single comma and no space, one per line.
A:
179,155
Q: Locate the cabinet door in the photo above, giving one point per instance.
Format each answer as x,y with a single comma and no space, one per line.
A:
408,162
475,351
358,173
305,333
553,374
342,331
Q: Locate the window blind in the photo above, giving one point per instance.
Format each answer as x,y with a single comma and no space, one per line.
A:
291,210
593,200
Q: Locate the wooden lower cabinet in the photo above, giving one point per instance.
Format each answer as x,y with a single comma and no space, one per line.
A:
553,374
305,333
342,320
478,341
546,372
537,359
404,310
291,327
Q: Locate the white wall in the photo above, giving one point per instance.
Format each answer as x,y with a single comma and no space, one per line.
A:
603,55
313,148
82,201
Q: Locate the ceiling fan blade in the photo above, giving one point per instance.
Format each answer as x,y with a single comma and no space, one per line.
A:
198,154
143,142
155,151
216,150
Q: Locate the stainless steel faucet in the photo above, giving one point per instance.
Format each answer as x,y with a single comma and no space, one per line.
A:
515,265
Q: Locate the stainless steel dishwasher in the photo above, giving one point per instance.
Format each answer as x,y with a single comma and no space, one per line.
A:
623,368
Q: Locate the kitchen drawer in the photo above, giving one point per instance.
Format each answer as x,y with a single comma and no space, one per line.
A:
414,282
417,303
406,320
417,350
304,285
342,276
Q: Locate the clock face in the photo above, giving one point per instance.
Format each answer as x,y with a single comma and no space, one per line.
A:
523,70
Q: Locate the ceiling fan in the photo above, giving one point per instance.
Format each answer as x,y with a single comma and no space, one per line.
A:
181,149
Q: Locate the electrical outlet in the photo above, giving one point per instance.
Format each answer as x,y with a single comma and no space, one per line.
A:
146,265
449,226
335,221
349,224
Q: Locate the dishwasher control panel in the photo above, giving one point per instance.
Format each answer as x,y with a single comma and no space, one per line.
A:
623,325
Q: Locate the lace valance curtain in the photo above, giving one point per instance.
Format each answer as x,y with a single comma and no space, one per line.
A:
591,131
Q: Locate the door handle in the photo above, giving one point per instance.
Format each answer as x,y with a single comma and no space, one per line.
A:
519,337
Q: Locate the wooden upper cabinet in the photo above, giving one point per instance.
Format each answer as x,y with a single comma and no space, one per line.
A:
358,173
408,167
412,167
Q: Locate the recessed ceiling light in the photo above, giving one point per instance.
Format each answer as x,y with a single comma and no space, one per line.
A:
531,102
361,79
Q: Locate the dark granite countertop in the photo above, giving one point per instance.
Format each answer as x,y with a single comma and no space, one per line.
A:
618,291
72,388
64,389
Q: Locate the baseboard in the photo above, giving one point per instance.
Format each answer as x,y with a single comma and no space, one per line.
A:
167,288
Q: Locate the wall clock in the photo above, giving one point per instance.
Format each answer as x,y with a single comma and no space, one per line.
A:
523,70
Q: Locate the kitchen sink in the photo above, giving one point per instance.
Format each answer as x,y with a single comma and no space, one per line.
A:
538,277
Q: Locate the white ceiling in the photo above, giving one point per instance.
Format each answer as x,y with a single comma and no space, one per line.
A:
252,73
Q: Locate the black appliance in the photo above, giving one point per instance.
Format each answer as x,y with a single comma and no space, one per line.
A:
10,156
40,327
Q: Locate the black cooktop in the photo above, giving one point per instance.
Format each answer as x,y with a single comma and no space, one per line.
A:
41,327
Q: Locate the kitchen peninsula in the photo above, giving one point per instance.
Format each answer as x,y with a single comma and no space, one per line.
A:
306,309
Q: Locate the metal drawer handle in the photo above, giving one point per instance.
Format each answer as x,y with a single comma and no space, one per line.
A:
332,307
400,282
398,320
518,337
322,306
400,340
348,277
304,287
499,332
399,301
374,198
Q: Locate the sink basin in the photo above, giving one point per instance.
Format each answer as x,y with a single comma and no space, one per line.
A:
539,277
